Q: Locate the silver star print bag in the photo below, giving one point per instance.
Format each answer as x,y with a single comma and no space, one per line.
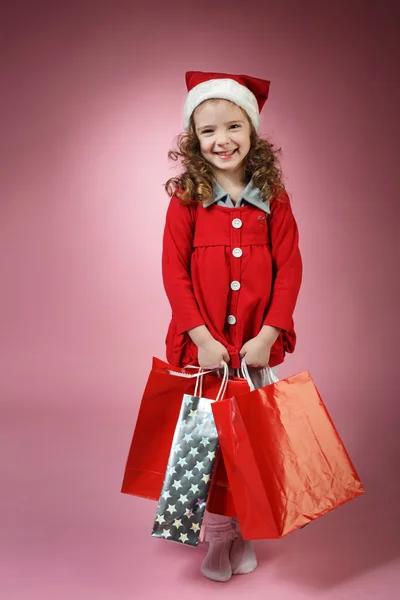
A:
190,467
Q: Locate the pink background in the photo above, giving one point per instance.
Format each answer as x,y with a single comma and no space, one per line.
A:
92,99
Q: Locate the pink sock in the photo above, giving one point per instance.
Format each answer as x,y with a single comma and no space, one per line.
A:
219,533
216,565
242,556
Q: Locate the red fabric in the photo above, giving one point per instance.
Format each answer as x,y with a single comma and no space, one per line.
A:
259,87
285,461
198,268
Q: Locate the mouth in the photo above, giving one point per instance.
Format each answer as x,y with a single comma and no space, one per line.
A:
226,154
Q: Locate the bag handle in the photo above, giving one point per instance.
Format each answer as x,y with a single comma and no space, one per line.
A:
224,383
199,383
198,390
269,375
191,375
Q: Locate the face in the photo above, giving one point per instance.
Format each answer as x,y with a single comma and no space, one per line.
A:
224,131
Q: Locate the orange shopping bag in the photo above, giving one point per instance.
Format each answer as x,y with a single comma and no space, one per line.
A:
285,461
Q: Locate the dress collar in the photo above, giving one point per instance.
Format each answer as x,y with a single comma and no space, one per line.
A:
250,194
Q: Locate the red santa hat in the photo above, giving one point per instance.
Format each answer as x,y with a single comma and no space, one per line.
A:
250,93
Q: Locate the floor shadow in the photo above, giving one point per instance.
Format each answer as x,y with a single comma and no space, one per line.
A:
353,539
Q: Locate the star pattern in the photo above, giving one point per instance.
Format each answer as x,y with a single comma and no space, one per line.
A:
188,474
166,534
187,479
178,523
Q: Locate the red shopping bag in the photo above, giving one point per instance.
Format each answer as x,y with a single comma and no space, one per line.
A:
155,426
285,461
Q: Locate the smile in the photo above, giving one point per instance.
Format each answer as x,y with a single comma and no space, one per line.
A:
226,154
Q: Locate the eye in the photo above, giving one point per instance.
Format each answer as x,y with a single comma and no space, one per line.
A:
207,131
235,125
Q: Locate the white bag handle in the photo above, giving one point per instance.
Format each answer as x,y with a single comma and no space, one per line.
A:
270,377
224,383
198,390
199,383
191,375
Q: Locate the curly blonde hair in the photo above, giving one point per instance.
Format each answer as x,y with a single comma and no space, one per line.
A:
196,182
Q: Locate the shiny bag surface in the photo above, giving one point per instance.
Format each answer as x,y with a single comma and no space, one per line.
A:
150,447
189,471
285,461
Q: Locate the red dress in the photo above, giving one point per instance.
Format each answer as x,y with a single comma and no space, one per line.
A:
233,270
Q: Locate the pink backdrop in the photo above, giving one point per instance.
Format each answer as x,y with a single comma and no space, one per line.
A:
92,98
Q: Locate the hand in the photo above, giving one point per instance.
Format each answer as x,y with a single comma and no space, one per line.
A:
211,353
257,352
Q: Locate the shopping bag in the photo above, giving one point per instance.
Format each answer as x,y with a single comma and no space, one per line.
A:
154,431
190,468
285,461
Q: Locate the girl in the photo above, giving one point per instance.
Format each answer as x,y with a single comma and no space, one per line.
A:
231,263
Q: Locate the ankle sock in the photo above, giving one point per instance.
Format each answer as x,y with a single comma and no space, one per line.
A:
216,564
242,555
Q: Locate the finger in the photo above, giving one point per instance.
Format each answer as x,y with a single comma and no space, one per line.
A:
226,356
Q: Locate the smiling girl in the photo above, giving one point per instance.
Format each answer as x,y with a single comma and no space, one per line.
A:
232,268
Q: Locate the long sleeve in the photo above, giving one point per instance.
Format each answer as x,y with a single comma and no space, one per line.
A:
287,265
176,255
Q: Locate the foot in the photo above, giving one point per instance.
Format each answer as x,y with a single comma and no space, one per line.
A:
216,565
242,556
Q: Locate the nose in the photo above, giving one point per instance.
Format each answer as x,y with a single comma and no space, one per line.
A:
222,139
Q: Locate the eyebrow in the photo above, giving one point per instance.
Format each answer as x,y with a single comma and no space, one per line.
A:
226,123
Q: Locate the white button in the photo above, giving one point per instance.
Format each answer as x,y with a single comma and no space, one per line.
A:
237,223
231,320
237,252
235,285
